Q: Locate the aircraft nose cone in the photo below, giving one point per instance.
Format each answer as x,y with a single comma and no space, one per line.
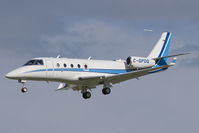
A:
10,75
13,75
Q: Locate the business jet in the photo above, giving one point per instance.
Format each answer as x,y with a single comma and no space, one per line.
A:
86,74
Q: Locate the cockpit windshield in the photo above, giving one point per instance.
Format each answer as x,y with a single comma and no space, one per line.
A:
34,62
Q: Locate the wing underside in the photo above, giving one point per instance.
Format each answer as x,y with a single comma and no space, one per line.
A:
134,74
92,82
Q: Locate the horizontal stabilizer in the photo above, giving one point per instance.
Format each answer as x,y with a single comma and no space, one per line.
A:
169,56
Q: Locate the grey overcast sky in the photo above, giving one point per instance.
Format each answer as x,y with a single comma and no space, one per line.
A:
104,29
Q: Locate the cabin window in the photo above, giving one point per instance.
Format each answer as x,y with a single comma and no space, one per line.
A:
71,65
58,65
65,65
34,62
85,66
78,65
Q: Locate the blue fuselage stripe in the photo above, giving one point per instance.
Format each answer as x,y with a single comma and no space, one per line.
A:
109,71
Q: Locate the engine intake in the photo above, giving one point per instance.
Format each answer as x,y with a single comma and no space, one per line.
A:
139,62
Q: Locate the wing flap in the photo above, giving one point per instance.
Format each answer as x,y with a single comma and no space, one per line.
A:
91,81
92,78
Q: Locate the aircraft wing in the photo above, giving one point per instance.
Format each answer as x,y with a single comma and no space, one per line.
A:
92,82
89,82
134,74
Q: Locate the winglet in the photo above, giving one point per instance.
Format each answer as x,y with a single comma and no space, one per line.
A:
169,56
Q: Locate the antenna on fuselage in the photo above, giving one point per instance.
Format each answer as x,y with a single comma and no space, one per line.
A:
58,56
148,30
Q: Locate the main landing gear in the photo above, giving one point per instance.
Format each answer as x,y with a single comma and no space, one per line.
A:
86,95
106,90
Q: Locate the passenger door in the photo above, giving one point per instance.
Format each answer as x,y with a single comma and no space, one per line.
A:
49,69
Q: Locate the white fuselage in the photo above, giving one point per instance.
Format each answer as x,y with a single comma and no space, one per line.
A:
68,70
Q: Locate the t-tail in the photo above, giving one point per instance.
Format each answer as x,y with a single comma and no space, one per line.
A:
161,49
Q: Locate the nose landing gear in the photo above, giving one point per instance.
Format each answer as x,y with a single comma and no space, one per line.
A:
24,89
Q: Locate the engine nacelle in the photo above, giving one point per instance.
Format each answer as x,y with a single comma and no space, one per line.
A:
139,62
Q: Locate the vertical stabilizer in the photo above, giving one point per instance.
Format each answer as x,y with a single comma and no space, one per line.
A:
161,48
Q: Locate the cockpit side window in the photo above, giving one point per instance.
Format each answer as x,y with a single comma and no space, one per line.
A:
34,62
39,62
